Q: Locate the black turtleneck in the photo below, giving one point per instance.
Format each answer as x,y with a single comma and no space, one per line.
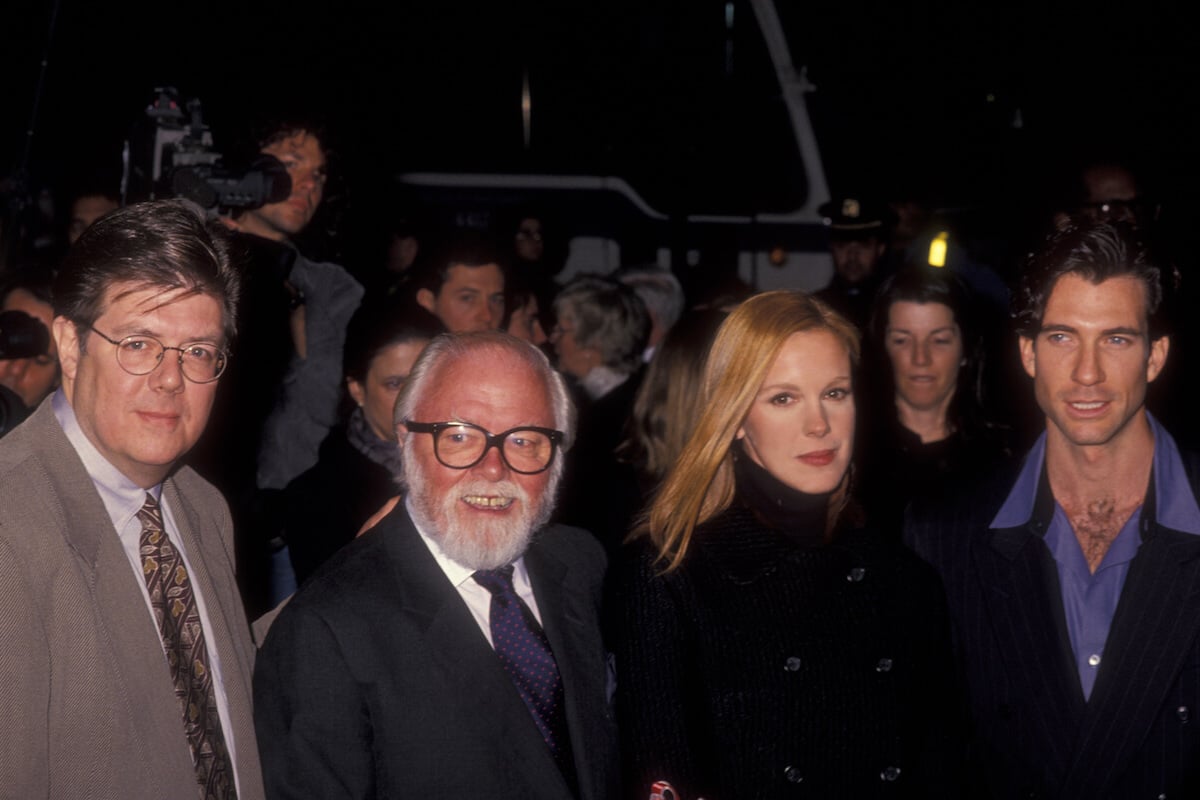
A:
799,515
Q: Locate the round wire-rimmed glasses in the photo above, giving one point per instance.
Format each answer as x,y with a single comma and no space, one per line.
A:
462,445
140,354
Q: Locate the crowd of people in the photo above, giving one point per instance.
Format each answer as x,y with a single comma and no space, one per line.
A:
272,527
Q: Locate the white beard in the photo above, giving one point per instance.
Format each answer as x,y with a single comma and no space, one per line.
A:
478,543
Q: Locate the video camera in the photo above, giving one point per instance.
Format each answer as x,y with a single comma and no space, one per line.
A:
170,154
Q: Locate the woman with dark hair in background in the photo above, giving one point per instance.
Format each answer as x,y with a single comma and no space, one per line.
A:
927,432
523,310
359,464
764,643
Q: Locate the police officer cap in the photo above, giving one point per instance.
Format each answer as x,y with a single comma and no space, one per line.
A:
855,215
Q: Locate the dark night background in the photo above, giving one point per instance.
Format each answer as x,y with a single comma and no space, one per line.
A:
972,104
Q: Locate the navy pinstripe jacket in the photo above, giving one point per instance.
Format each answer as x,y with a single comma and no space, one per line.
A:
1033,734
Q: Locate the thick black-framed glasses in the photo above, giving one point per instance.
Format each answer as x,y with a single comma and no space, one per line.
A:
462,445
140,354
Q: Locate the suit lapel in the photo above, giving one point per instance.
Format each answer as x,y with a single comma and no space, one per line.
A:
574,642
1155,623
1019,584
125,630
227,634
462,654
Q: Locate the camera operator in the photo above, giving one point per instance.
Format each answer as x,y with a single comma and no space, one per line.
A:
282,389
28,359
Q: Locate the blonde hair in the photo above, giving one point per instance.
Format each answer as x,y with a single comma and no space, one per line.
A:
700,485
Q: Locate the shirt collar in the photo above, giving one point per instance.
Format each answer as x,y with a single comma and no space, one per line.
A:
1175,505
122,497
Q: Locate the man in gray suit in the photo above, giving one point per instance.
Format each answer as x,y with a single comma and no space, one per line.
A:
126,657
453,650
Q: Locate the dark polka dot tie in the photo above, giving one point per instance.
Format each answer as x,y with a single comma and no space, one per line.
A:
526,656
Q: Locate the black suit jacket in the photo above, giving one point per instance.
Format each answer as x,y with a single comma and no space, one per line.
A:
375,681
1034,735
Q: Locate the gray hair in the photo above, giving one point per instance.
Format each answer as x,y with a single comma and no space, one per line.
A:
658,289
608,317
451,346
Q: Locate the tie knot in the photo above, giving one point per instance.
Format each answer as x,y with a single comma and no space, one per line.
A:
150,513
496,581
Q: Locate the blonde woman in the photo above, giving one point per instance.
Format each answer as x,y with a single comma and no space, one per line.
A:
763,642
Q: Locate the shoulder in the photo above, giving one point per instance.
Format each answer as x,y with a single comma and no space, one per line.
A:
348,577
40,434
933,523
324,276
574,547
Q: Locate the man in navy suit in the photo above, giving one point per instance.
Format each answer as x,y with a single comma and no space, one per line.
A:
454,649
1075,588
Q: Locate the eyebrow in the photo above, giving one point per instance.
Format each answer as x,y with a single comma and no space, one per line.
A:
214,338
943,329
793,387
1120,330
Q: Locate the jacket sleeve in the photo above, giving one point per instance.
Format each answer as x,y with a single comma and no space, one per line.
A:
654,703
24,685
310,715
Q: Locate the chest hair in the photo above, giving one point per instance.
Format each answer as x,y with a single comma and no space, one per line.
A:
1096,525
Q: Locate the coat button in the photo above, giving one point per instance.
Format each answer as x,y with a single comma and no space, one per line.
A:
793,775
856,575
1184,714
792,664
889,774
884,665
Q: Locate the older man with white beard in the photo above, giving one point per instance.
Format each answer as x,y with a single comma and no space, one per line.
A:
453,650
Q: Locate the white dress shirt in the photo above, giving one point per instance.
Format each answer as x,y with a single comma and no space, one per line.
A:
477,598
123,499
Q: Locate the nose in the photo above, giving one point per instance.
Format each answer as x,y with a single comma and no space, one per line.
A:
816,421
168,375
921,355
492,467
1088,370
11,369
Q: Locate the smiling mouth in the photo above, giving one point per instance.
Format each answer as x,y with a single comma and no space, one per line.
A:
1087,405
487,503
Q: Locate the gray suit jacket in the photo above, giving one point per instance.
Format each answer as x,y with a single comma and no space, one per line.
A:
87,706
375,681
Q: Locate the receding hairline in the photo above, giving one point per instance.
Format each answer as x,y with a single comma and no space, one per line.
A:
489,353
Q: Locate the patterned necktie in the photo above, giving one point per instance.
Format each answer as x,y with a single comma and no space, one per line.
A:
187,657
525,655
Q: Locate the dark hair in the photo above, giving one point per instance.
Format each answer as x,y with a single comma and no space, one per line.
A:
1095,251
164,244
275,129
35,281
920,283
377,326
468,249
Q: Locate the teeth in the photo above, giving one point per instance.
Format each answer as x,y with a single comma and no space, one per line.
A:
1087,406
482,501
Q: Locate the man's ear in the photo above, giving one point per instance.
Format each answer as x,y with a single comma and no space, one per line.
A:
427,300
66,339
1028,356
1158,357
401,432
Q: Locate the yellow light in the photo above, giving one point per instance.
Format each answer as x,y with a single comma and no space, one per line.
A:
937,249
